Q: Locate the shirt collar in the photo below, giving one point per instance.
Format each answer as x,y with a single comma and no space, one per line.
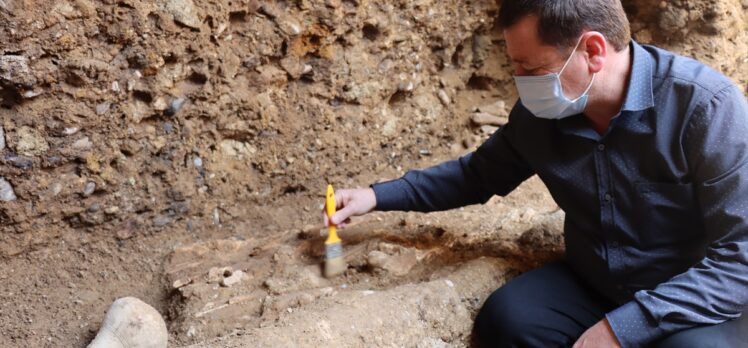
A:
639,95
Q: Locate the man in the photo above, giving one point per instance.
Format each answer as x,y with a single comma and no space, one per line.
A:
645,151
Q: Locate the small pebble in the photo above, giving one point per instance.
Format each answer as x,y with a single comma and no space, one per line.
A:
252,62
216,217
235,278
6,191
406,86
385,66
31,94
89,189
175,105
82,144
161,220
71,130
181,282
52,161
160,104
56,189
443,97
102,108
19,161
184,12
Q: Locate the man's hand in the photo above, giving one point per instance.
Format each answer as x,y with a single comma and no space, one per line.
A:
598,336
351,202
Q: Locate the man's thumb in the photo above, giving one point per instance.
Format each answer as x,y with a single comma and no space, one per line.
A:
341,215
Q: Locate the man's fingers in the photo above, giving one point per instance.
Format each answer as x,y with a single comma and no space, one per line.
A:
344,223
341,198
342,215
339,217
350,203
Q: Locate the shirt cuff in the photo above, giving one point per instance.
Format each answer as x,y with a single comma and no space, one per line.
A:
633,326
392,195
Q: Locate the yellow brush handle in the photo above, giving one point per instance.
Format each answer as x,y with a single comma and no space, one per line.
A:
332,235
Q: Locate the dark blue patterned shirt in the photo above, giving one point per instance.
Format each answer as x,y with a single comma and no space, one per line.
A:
656,207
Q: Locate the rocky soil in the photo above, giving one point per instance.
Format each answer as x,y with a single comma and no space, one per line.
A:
178,150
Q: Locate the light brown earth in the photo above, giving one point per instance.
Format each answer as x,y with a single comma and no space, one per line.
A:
178,150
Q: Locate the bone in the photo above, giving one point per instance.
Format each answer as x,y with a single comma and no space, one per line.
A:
483,119
131,323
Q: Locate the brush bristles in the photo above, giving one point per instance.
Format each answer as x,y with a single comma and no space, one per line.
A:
334,263
335,266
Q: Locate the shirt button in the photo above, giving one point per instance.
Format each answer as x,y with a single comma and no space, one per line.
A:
607,197
601,147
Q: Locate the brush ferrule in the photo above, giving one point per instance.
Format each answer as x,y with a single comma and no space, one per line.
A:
333,250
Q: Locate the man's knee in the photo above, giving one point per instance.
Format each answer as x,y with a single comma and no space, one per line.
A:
501,322
546,307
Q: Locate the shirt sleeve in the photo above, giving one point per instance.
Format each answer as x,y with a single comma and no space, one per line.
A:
715,289
494,168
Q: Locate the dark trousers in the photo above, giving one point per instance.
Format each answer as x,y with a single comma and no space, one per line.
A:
551,307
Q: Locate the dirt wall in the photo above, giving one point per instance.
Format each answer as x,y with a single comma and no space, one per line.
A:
140,113
137,113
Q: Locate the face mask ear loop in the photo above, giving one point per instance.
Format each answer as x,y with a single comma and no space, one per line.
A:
589,87
564,68
571,55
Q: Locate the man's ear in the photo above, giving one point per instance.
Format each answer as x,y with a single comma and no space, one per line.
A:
596,47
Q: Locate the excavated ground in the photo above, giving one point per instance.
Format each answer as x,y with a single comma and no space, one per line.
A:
178,151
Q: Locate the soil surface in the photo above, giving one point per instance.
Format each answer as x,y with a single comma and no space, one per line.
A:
178,150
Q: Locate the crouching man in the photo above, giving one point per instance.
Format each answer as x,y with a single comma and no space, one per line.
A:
646,152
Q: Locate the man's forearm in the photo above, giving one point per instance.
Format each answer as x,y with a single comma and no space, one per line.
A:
441,187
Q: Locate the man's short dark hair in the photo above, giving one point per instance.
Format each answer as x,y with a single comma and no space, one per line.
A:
562,22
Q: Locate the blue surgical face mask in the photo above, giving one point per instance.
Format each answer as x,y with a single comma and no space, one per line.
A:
544,95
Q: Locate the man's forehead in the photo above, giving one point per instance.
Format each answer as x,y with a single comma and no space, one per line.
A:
525,47
522,40
530,54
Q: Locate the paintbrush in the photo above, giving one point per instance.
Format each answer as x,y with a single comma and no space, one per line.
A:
334,261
